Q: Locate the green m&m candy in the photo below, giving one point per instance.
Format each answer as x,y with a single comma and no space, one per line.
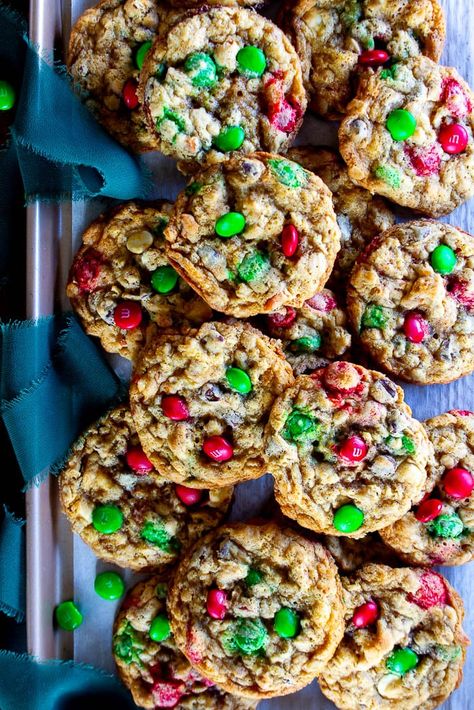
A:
254,576
141,53
253,266
250,635
230,224
239,380
374,317
164,279
160,628
7,96
230,138
443,259
109,585
107,519
448,525
390,176
251,61
288,173
68,616
201,69
401,661
154,532
301,426
306,344
401,124
286,623
348,518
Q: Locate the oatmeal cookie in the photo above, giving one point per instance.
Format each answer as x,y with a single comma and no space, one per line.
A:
122,508
254,234
106,51
350,553
257,609
312,335
346,454
360,215
120,280
411,299
200,402
440,530
404,646
225,79
337,40
408,135
151,665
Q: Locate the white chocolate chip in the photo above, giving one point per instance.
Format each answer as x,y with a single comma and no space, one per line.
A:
390,686
139,241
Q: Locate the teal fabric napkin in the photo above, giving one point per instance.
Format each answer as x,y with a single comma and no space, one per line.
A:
27,684
54,381
12,566
63,153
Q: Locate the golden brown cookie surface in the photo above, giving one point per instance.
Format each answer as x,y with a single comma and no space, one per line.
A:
225,79
411,298
121,280
254,234
440,529
200,402
404,645
337,39
408,135
257,609
345,451
121,507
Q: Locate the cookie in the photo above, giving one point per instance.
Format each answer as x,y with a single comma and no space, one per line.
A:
149,662
349,554
404,646
313,335
122,508
346,454
360,215
120,280
338,40
225,79
439,531
257,609
200,402
408,135
411,299
106,51
254,234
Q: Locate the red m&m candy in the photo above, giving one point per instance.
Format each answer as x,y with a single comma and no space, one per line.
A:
282,319
365,615
188,496
415,327
217,603
289,240
167,693
374,58
218,449
129,94
128,315
428,510
174,408
431,592
458,483
283,116
453,138
138,461
353,449
322,302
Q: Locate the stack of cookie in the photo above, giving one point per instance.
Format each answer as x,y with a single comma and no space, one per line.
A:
245,363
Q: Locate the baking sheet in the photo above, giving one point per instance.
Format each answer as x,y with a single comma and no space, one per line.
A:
61,564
